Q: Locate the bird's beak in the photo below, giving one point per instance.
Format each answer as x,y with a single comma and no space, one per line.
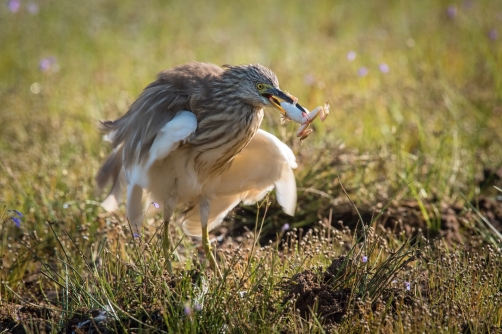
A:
275,95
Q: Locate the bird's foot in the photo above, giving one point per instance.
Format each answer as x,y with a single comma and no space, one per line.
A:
208,250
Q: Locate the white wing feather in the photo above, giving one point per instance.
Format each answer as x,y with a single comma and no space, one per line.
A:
285,185
167,140
171,135
266,162
111,202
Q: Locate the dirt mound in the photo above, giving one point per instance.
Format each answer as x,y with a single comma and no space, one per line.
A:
313,292
311,295
19,319
323,293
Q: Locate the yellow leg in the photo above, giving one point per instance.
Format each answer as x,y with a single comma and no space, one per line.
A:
208,250
204,217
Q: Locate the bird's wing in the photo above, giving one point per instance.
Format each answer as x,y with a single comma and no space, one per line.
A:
133,135
168,139
263,164
114,197
136,130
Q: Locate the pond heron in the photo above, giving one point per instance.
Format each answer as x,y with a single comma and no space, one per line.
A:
192,138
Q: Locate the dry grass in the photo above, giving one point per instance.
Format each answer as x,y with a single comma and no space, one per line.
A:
425,114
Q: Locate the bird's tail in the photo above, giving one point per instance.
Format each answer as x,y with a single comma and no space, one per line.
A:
112,170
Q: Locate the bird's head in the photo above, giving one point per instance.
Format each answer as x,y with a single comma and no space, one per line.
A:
258,86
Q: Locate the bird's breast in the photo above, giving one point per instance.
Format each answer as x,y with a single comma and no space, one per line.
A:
219,139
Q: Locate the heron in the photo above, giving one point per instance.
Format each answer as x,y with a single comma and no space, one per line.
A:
192,138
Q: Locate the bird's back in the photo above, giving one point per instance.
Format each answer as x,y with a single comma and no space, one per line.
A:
174,90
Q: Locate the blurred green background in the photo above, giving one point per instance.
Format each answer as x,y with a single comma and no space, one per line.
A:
415,90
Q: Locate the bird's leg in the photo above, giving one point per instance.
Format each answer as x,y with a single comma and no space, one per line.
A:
170,201
134,208
204,206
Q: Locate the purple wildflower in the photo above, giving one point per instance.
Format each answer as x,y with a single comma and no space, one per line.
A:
49,63
384,68
451,11
44,65
363,71
407,285
364,259
493,34
14,5
32,8
136,235
156,205
198,307
16,221
284,228
187,309
351,56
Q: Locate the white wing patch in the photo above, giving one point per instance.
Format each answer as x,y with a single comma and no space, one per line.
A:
111,202
167,140
285,190
169,137
262,165
285,184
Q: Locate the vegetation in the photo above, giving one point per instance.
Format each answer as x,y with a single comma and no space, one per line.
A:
411,243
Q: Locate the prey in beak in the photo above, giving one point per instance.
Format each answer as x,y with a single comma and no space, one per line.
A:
275,96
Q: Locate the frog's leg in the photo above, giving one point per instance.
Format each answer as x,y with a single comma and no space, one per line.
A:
304,132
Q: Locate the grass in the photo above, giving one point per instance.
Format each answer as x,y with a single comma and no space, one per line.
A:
431,124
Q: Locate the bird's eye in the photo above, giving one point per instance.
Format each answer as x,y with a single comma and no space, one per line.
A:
260,86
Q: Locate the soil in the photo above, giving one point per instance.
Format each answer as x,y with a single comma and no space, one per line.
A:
452,222
316,291
20,319
311,289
